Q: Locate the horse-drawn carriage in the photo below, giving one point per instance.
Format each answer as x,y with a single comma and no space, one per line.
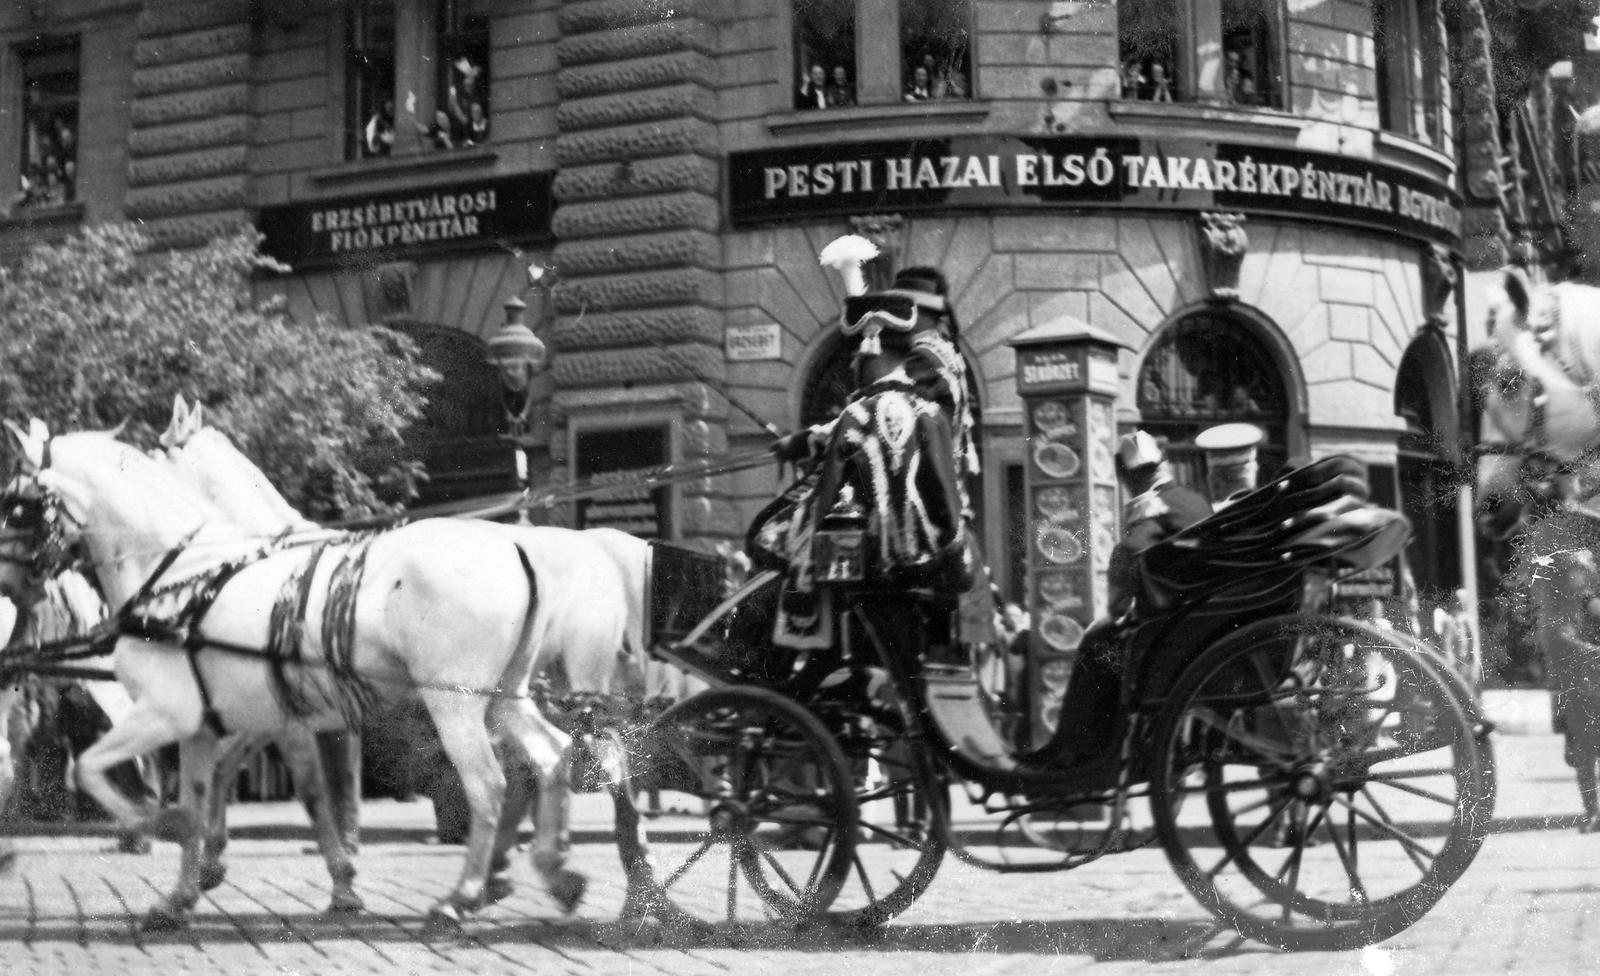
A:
1340,777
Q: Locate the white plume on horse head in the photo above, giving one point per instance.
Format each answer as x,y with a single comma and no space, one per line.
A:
31,442
186,422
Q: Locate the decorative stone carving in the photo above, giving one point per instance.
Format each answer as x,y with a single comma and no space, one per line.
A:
1438,281
388,290
1223,244
888,232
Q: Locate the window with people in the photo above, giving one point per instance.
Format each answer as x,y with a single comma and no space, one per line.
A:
935,49
1252,53
1149,40
447,104
934,45
1163,57
825,53
48,168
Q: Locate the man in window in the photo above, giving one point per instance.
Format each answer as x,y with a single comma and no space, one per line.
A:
378,135
813,92
921,87
839,91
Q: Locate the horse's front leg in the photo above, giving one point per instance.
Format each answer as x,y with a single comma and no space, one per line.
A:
460,719
198,791
144,729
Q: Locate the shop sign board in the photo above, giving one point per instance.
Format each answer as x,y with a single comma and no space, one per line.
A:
410,223
749,343
1066,369
989,172
619,455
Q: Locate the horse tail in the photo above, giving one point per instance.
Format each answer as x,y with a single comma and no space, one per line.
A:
524,645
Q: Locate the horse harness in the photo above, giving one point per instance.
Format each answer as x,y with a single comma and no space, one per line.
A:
286,626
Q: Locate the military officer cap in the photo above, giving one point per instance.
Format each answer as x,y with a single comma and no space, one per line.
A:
1229,445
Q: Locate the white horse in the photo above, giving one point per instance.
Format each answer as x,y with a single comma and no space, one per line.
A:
450,611
208,461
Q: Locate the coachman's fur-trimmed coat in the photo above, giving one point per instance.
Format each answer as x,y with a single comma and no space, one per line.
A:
903,446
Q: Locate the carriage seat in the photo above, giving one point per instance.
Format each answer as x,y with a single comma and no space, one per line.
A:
1316,514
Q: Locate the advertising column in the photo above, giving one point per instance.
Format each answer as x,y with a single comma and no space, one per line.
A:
1067,378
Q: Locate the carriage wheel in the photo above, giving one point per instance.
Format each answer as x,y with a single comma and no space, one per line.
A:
1343,788
771,832
905,806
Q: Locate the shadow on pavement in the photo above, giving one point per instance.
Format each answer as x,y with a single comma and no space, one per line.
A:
1102,939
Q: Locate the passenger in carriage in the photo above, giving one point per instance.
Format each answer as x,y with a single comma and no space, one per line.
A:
1157,508
1231,466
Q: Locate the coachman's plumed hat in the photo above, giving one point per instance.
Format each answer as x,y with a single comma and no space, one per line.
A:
917,301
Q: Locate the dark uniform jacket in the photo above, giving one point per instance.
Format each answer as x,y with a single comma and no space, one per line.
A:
1150,517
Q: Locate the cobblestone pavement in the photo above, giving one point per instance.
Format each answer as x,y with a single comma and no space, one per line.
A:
1525,906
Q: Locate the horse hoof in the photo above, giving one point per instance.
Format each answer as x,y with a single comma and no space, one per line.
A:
172,825
346,903
164,920
211,876
567,889
498,889
133,844
441,925
8,861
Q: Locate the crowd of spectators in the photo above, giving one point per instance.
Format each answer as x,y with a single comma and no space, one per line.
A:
820,89
1151,80
460,120
926,81
49,174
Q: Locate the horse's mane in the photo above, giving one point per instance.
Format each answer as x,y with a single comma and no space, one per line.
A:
98,457
215,455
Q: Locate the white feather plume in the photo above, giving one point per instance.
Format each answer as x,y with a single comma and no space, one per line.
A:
846,255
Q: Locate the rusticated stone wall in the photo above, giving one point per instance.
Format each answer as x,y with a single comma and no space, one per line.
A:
637,215
188,149
1341,306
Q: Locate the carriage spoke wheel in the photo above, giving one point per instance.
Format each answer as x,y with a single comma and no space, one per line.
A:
905,807
1343,789
770,835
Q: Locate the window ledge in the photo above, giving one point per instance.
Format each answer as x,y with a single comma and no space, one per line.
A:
876,116
443,160
1403,144
1191,112
43,217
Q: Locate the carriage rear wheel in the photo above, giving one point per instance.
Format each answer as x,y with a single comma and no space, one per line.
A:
1343,788
767,813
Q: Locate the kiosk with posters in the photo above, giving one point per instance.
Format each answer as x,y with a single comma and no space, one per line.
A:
1067,378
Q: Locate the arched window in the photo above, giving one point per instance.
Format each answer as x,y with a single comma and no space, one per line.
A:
1422,398
1209,369
458,436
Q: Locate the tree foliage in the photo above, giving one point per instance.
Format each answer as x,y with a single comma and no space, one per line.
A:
101,330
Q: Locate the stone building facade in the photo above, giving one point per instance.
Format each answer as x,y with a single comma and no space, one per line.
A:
629,145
